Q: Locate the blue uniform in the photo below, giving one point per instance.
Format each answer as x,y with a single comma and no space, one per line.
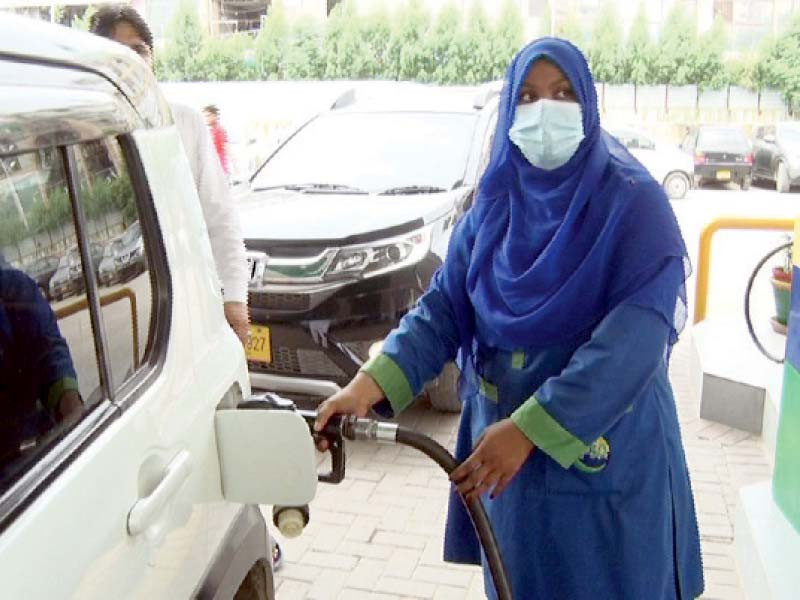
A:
618,522
562,294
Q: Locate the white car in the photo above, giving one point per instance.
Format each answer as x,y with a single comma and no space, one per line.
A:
128,465
667,164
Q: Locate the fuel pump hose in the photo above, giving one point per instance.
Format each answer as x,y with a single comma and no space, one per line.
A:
368,429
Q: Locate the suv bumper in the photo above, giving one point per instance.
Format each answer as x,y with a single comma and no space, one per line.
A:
331,341
738,171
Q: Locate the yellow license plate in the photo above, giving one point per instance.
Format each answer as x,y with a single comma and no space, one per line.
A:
258,347
723,174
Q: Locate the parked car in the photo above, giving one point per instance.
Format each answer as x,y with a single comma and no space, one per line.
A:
123,257
42,270
139,474
776,150
667,164
68,278
347,221
721,153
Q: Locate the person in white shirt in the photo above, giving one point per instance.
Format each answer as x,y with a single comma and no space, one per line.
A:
124,25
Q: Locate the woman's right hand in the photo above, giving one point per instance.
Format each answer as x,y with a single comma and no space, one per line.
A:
356,398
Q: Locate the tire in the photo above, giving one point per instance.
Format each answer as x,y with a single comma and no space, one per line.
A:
676,185
745,184
443,393
255,585
782,183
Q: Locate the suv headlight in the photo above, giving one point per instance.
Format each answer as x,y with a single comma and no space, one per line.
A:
383,256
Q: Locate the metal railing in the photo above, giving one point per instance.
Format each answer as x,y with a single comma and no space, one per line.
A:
704,258
110,298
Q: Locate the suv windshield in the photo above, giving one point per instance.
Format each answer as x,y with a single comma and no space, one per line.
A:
131,234
722,140
790,134
374,152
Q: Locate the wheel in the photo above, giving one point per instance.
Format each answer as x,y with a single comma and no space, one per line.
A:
443,393
745,183
676,185
782,183
256,584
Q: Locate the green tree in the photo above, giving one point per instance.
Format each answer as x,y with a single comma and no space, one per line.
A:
344,48
442,46
709,67
781,60
178,61
570,29
405,56
376,31
605,50
476,43
677,49
507,38
82,22
639,52
223,59
304,57
271,43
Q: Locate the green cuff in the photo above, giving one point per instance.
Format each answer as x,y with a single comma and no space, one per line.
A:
391,379
547,434
65,384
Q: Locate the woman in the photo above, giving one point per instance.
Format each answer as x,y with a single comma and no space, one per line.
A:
562,294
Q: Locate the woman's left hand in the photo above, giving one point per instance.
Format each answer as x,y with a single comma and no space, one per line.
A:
500,453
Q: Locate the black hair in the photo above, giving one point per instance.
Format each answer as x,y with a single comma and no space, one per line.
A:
107,17
213,109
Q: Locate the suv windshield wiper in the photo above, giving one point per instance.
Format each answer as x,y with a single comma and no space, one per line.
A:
413,189
320,188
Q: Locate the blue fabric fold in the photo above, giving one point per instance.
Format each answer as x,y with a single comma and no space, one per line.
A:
587,236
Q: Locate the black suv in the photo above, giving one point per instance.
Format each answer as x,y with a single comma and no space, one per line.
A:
776,150
347,221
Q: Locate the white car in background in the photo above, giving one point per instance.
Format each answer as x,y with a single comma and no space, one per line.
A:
665,162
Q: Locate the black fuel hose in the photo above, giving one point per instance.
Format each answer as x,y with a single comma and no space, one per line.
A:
477,512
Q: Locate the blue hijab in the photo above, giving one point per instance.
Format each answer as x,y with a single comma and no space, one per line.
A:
543,256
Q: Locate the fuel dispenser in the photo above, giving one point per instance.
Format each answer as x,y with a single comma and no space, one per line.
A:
786,478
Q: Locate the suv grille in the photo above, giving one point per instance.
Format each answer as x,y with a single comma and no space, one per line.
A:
305,363
280,301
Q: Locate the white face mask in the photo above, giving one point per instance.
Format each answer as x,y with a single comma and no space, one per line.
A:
547,132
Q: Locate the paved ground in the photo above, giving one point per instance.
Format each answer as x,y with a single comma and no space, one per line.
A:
379,534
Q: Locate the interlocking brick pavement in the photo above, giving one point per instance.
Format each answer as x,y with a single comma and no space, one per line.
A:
378,535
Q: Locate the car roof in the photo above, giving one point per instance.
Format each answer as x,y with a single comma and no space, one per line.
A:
59,85
383,97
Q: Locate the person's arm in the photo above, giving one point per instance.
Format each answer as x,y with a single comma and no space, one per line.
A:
45,346
221,216
604,379
416,352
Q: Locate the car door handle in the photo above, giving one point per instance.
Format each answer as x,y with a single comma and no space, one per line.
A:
147,509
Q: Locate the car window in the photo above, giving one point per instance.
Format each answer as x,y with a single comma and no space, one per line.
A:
375,151
790,134
646,143
722,139
118,254
49,375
